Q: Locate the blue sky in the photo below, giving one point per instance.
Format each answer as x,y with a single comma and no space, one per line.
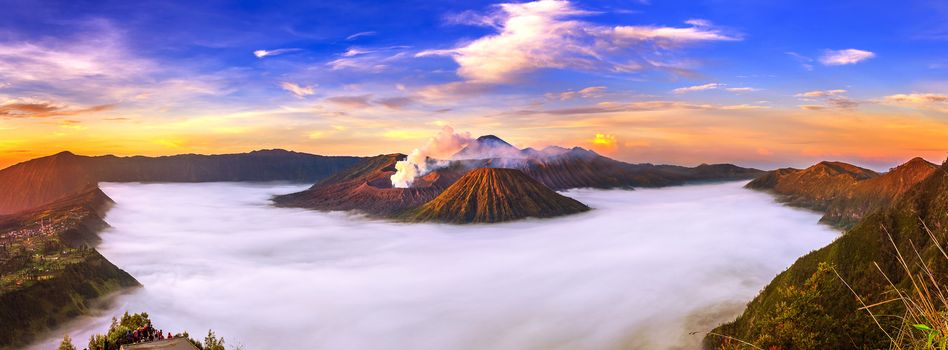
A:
655,80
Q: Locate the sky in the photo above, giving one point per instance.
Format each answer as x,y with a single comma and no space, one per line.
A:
756,83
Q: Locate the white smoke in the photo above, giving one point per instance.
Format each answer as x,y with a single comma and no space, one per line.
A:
429,157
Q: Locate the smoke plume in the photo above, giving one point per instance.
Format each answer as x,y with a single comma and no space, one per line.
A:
429,157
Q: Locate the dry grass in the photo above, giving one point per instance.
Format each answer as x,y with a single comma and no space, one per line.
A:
924,323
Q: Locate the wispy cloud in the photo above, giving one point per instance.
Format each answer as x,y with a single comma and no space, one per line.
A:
545,34
741,89
298,90
805,62
589,92
356,101
276,52
360,34
844,57
395,102
657,105
821,93
929,101
29,108
710,86
368,59
831,99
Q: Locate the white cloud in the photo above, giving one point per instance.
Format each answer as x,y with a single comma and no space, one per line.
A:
543,34
844,57
268,53
711,86
298,90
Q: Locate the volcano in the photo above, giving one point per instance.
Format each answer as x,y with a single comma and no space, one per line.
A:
489,146
489,195
367,186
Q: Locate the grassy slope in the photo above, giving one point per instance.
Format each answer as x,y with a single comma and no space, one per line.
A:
29,311
66,279
854,256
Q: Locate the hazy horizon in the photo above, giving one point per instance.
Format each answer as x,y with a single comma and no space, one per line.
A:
876,166
217,255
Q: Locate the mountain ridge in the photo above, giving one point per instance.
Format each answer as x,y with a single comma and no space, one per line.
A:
46,179
845,193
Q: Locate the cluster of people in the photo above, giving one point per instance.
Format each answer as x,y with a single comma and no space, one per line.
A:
146,334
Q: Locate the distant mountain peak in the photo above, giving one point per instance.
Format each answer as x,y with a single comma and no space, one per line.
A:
841,168
917,162
488,146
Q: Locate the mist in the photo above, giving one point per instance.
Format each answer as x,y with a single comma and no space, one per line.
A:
640,271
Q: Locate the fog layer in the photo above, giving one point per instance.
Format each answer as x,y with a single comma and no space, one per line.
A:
641,270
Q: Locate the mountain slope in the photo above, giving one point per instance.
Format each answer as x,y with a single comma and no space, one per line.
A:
367,187
43,180
494,195
832,317
48,274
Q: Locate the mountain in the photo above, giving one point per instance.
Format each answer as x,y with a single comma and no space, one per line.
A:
844,192
367,187
488,195
44,180
814,187
807,306
872,194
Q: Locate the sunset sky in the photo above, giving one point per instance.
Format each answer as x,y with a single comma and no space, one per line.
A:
756,83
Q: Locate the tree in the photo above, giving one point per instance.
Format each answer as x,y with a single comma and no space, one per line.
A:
212,343
66,344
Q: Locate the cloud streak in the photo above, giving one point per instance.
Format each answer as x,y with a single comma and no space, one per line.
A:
275,52
711,86
25,108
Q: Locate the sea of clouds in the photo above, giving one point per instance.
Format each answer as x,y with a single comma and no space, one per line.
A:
640,271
